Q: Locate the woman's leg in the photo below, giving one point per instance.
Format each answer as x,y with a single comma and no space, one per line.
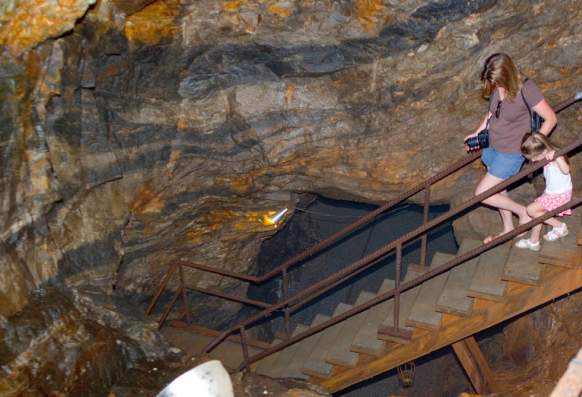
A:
502,202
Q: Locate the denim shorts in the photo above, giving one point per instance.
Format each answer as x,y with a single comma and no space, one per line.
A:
500,164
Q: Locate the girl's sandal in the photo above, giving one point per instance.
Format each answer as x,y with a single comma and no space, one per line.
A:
556,233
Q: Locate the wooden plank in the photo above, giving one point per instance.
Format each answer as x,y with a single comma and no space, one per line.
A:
487,282
407,298
197,329
366,340
454,299
315,365
520,298
340,353
475,365
523,266
564,252
423,313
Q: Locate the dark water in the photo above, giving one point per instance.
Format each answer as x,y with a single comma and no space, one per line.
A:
323,218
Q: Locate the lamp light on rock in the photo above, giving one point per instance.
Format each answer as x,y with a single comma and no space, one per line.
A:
273,220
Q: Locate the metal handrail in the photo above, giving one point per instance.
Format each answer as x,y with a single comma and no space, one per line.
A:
404,286
315,290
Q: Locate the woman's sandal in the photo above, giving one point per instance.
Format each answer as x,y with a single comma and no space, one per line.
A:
556,233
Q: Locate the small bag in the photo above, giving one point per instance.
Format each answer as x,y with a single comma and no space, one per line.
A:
535,119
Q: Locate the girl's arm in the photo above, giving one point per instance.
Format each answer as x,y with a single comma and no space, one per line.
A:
550,119
560,161
563,165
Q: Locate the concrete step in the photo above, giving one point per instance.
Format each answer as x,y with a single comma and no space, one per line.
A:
306,346
487,282
454,299
523,266
366,340
284,359
403,334
315,364
565,252
423,313
340,353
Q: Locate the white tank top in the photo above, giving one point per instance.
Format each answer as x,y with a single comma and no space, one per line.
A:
556,181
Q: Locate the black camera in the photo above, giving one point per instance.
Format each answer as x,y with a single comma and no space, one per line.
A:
481,141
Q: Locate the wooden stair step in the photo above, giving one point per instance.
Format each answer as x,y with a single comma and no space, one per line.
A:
565,252
279,367
306,346
523,266
366,340
404,333
340,353
487,282
423,313
454,299
265,366
315,364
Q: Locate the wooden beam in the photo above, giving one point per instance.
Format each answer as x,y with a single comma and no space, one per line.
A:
197,329
556,281
475,365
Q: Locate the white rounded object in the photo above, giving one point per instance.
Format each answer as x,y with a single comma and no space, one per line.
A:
209,379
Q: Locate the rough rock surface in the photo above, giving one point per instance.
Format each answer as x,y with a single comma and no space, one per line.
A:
125,154
157,131
49,348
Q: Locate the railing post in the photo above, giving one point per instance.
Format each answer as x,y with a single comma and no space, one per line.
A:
397,287
285,293
161,287
424,238
169,308
184,296
245,348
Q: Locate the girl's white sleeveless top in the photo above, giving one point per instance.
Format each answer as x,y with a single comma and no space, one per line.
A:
556,181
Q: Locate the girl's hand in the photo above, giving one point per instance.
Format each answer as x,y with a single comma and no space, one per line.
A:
550,154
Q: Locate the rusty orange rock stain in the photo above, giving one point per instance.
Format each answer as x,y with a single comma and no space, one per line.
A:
369,13
34,21
155,22
147,201
232,6
290,94
278,9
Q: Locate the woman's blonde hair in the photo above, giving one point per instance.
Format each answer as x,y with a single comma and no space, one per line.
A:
500,71
533,145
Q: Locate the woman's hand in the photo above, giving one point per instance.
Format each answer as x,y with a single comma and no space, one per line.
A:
474,134
550,154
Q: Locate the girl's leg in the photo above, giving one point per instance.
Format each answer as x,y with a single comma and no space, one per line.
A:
535,209
502,202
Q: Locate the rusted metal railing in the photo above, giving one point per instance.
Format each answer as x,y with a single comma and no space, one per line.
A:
289,304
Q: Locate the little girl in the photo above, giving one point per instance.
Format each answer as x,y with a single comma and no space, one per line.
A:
536,147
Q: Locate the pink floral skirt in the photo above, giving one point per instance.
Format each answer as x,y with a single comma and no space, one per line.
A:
553,201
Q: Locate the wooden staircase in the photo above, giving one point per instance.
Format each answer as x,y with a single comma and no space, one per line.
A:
484,291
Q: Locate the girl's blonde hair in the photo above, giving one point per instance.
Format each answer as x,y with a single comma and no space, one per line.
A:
533,145
500,71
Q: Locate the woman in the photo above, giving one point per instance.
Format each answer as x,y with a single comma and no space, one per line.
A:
508,121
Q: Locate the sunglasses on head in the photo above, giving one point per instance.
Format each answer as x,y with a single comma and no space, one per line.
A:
498,109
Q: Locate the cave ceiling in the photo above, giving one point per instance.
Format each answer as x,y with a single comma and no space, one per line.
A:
138,133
